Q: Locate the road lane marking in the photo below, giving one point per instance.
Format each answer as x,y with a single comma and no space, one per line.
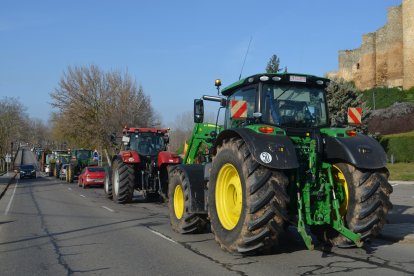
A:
70,189
162,236
394,185
109,209
11,199
82,196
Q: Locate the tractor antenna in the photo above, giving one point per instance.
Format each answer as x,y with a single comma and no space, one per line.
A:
245,56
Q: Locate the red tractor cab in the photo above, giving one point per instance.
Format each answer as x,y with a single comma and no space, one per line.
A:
141,164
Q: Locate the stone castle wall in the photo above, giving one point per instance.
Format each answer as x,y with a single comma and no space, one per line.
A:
386,57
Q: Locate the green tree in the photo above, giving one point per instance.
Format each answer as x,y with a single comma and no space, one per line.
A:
342,94
273,65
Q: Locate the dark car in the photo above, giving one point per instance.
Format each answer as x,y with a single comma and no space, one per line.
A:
27,171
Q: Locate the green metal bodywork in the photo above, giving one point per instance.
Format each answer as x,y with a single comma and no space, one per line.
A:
200,143
81,158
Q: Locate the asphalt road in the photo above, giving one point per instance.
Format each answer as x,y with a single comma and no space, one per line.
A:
49,227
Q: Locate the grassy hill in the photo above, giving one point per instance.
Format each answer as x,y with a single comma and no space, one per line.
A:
385,97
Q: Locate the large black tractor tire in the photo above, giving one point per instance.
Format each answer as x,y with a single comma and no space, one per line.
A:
368,203
108,182
247,201
123,180
178,205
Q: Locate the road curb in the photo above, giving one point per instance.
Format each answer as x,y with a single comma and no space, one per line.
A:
400,232
401,182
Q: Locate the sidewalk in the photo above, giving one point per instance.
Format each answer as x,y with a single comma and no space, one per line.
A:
5,179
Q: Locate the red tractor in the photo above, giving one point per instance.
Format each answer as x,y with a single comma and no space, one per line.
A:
142,165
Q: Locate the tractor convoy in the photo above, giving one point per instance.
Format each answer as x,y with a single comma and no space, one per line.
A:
274,162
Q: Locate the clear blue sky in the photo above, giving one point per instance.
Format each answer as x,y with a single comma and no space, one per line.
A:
175,49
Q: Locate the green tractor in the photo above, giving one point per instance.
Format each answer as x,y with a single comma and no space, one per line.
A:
81,158
57,159
277,162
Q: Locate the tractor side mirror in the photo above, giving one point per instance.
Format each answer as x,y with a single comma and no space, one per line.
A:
223,103
113,138
198,111
125,140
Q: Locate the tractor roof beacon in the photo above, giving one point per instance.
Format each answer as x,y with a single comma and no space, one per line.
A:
277,161
141,164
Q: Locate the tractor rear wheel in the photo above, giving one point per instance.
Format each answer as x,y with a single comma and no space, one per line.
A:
123,179
108,183
178,205
247,201
365,205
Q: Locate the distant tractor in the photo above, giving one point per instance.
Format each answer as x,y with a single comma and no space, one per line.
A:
142,165
80,158
276,162
56,160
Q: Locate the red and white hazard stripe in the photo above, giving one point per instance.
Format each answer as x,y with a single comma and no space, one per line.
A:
355,115
238,109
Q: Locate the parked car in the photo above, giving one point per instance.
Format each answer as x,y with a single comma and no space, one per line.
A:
62,172
91,175
27,171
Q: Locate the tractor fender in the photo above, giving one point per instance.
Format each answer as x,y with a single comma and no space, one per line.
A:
197,185
361,151
165,157
129,157
280,148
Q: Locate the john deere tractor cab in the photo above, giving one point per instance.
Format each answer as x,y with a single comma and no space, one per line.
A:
80,158
140,165
277,162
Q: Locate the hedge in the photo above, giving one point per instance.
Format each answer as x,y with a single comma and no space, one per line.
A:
401,146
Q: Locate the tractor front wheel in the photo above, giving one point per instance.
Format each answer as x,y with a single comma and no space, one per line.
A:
247,201
364,206
178,205
123,179
70,173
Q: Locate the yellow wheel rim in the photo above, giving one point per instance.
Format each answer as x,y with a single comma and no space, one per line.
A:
178,202
339,179
229,196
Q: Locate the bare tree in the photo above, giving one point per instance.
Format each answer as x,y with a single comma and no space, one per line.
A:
91,104
13,124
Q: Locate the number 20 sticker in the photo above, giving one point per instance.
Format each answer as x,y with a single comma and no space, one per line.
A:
266,157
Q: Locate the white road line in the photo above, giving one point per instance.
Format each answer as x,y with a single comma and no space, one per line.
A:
70,189
394,185
109,209
162,236
11,199
82,196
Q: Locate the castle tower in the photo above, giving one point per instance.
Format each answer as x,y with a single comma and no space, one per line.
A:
408,43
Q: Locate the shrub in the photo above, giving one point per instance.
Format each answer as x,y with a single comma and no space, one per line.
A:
401,146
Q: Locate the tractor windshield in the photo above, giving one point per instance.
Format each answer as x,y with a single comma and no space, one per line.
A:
83,154
146,143
294,106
